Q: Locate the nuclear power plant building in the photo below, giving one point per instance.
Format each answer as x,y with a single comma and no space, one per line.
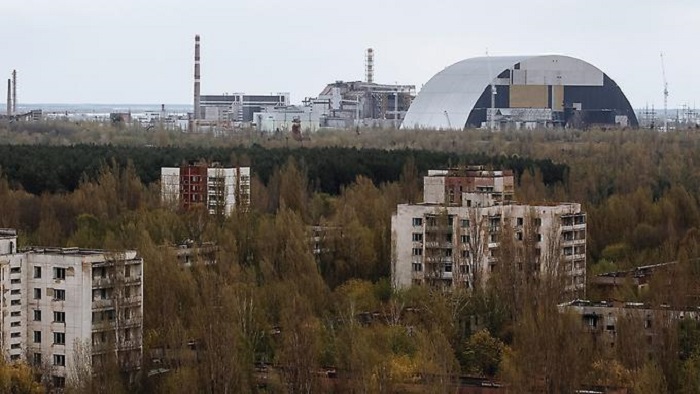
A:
520,92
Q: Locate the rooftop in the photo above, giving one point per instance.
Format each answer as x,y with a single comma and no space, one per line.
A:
623,305
8,232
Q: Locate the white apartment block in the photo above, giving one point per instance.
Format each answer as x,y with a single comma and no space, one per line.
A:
63,308
219,189
449,244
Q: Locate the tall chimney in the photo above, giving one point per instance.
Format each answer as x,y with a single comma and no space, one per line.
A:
9,97
369,66
197,111
14,91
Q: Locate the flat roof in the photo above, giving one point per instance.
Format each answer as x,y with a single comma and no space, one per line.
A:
8,232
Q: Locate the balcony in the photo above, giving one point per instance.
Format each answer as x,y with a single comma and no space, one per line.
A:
101,303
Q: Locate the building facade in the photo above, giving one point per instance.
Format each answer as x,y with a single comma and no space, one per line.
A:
239,107
447,242
218,189
64,309
608,320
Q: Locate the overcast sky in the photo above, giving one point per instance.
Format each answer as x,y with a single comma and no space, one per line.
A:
140,51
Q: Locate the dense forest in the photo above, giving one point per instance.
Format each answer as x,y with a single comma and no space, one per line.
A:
270,316
40,168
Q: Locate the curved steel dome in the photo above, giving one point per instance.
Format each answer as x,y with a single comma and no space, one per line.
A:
529,91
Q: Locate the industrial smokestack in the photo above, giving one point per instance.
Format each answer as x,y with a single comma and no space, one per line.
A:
14,91
9,97
197,111
369,66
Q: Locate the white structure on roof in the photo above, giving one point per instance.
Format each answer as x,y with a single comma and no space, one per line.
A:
457,242
460,95
59,305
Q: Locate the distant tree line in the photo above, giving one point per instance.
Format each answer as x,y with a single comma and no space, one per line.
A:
45,168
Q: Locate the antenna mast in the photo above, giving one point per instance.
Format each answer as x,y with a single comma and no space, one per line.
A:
663,72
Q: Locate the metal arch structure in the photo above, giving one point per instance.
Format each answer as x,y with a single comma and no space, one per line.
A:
447,100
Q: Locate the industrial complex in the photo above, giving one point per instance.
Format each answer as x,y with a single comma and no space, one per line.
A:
488,92
520,91
339,105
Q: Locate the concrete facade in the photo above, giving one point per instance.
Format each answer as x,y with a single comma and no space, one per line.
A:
63,308
603,319
214,187
451,244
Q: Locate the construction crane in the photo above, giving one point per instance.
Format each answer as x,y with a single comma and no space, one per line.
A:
663,72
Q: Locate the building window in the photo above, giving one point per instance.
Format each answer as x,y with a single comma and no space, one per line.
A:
417,267
519,221
16,302
16,270
15,281
59,295
417,251
465,223
15,292
37,293
448,267
537,222
37,315
59,317
465,239
15,314
59,273
15,335
36,359
15,324
14,357
59,382
37,336
37,272
417,222
127,271
59,360
59,338
519,236
465,254
417,237
539,237
99,272
493,238
16,346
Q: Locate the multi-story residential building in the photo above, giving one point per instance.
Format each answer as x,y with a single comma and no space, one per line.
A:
218,189
448,241
608,320
67,308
